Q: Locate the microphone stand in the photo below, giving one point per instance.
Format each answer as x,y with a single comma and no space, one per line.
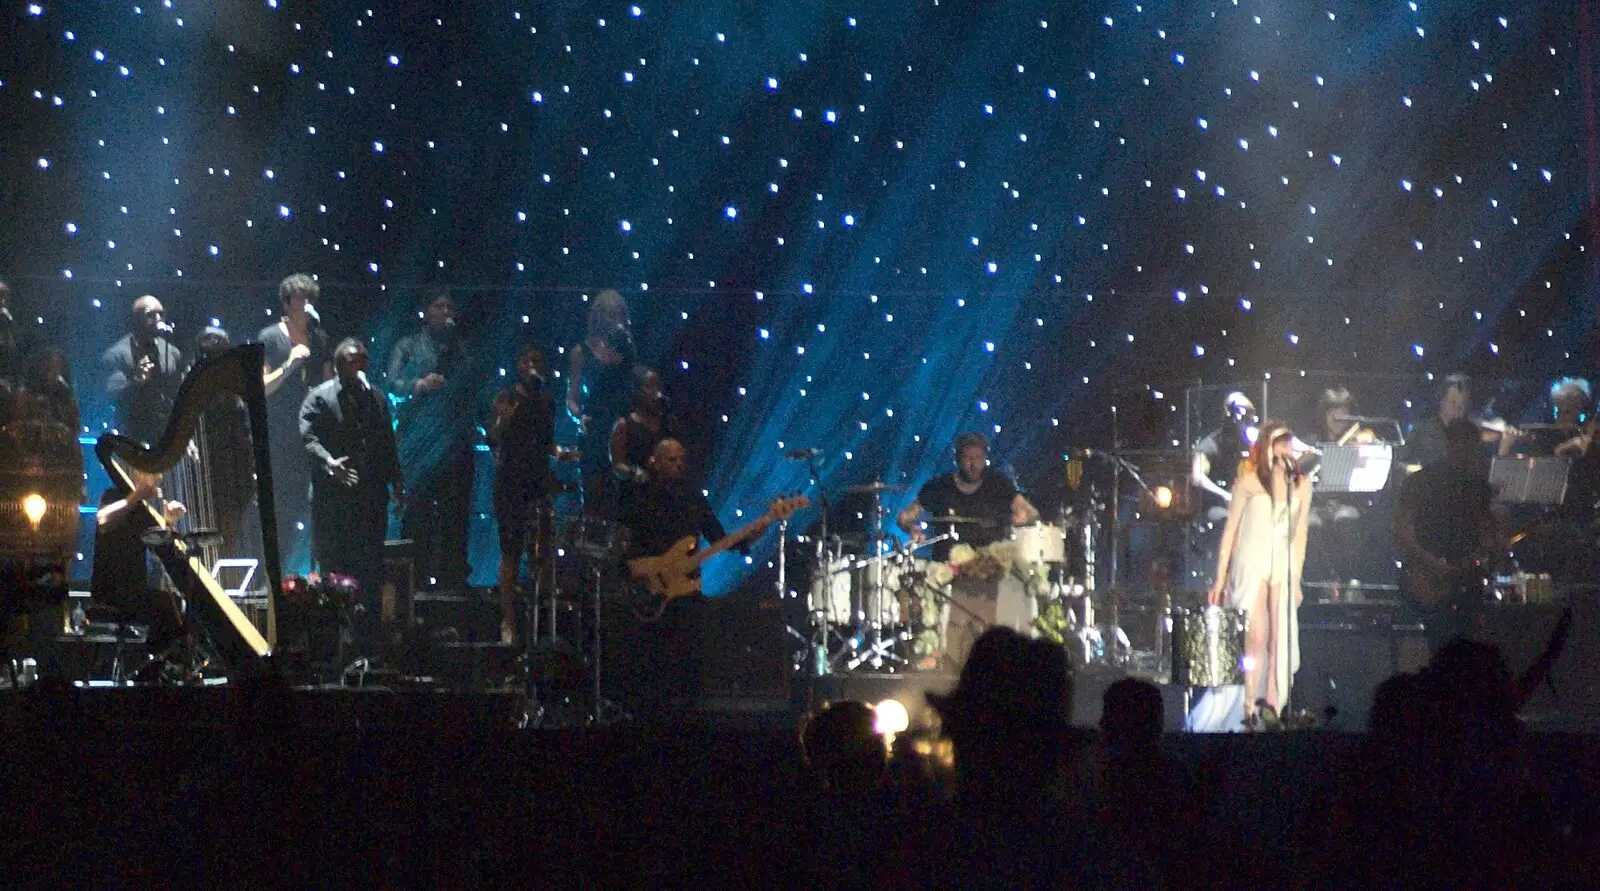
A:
818,630
1119,466
1292,476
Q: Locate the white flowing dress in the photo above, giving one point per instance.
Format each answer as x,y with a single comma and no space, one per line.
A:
1269,548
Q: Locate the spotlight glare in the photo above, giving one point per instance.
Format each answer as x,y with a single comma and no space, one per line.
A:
33,507
891,717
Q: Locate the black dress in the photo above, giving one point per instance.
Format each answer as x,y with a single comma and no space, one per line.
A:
522,464
291,473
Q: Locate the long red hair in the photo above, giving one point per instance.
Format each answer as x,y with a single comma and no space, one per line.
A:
1260,460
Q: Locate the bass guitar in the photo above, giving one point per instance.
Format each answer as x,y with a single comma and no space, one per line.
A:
676,573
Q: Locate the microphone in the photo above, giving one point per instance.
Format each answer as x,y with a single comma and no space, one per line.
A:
362,377
802,454
164,327
450,322
5,316
312,318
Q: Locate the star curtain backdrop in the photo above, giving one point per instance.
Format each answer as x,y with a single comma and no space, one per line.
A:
858,226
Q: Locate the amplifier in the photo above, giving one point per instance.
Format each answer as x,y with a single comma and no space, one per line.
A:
1346,651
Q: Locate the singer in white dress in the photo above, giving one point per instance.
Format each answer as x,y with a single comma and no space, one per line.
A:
1259,562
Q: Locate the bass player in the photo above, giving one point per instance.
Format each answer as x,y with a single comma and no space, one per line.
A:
662,512
1444,527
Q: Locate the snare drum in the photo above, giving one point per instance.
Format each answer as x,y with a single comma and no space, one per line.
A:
1039,543
830,594
1208,647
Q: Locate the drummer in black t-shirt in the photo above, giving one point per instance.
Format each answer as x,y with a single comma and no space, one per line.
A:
970,492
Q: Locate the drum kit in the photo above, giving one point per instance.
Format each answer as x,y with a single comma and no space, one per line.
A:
884,605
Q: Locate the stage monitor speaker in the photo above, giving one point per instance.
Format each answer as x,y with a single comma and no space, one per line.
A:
1089,685
1346,651
747,649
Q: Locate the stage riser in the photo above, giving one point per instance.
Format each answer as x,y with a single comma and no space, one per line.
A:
911,689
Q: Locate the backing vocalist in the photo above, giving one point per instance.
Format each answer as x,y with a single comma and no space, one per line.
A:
296,358
143,371
431,374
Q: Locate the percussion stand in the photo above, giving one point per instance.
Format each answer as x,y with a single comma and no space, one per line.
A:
944,594
816,638
535,546
605,711
1119,466
543,641
876,646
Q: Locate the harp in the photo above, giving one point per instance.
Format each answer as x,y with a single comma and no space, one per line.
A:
234,375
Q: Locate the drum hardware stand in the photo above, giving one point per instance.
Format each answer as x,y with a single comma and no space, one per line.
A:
536,545
876,648
872,646
1119,466
817,657
605,711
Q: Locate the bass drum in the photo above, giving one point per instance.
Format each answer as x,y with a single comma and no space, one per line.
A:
595,538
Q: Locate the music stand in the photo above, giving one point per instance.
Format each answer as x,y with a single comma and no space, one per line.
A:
1541,481
1362,467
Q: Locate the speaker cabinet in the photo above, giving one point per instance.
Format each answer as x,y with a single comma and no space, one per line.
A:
1346,651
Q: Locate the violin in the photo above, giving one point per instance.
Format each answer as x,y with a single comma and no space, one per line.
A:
1494,429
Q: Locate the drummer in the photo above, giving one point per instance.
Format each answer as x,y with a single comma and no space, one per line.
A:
970,493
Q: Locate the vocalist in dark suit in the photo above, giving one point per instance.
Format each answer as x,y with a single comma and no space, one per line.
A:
142,372
349,441
431,375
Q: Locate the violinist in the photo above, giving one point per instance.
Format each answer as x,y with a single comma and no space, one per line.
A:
1569,434
1569,431
1425,441
1339,427
1337,407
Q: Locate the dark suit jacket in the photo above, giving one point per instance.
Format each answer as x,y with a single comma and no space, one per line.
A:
329,431
142,409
